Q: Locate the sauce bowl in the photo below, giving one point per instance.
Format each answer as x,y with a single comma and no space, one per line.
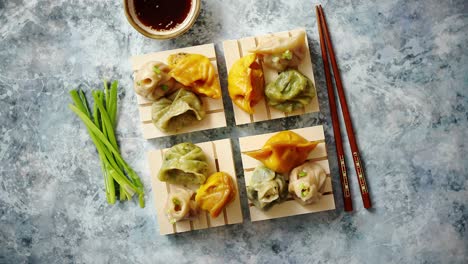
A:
149,32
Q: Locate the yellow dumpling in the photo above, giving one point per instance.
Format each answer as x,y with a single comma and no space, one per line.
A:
216,193
196,72
283,151
245,83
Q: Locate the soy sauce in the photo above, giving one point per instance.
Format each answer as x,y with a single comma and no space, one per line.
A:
162,14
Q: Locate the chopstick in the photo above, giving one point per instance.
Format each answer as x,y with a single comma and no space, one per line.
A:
348,203
326,44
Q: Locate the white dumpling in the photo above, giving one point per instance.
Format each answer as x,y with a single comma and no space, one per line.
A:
180,205
268,192
266,188
280,53
307,182
152,81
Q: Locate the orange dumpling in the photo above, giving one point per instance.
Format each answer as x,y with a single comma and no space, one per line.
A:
216,193
245,82
196,72
283,151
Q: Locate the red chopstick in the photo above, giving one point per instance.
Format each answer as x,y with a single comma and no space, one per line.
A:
325,37
348,203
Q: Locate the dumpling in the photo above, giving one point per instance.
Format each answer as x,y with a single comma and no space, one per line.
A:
184,163
283,151
216,193
152,81
266,188
196,72
246,83
290,91
180,205
280,53
179,110
307,182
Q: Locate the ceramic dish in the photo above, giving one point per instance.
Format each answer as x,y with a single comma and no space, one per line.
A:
180,29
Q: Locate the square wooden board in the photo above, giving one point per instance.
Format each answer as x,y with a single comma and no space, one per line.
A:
290,206
214,107
219,154
235,49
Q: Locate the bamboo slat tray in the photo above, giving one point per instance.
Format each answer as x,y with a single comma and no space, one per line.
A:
235,49
214,107
219,154
289,207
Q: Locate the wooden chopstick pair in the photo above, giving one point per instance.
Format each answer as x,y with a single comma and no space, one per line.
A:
326,44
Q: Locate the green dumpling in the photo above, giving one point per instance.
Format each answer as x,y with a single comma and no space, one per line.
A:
184,163
290,91
179,110
266,188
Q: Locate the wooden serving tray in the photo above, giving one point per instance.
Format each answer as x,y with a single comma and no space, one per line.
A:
219,154
235,49
214,108
290,206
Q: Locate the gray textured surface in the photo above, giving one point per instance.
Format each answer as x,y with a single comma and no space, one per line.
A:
404,67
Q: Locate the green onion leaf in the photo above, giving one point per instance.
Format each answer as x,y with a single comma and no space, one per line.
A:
156,70
287,55
100,121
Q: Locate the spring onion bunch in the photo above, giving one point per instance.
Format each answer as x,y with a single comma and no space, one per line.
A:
119,178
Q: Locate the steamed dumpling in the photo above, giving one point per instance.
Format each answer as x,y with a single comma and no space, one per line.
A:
216,193
283,151
184,163
245,83
290,91
181,109
180,205
266,188
307,182
280,53
152,81
196,72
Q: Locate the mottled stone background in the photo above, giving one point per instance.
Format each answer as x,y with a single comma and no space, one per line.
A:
405,71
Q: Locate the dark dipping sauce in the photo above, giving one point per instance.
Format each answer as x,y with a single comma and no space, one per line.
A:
162,15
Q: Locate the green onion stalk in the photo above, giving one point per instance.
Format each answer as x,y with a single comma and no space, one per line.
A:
118,175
